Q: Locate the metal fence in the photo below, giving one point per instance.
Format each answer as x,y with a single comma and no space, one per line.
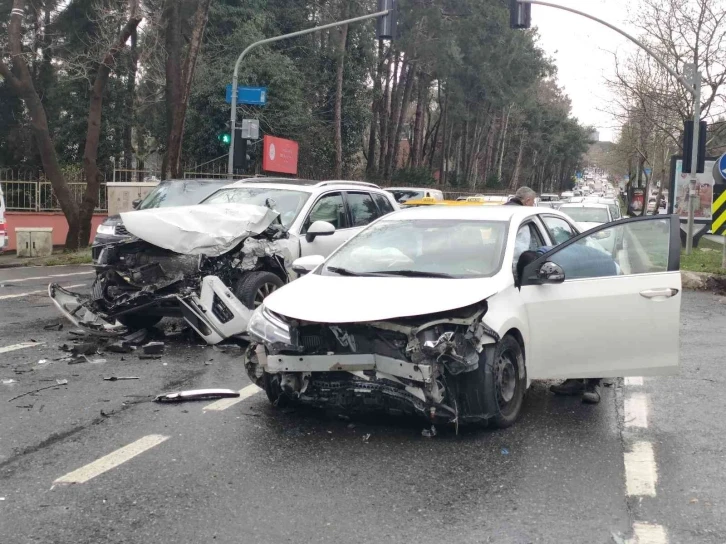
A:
38,196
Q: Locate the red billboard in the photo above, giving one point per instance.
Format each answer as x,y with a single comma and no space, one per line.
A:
279,155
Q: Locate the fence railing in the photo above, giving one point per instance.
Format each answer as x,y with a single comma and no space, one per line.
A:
38,196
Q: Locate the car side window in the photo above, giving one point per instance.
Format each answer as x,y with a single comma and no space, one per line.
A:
362,208
384,205
614,211
528,238
641,247
559,229
328,208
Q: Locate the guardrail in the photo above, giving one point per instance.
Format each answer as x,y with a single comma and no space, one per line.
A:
38,196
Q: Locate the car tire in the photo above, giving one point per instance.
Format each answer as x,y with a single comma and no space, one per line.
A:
505,382
139,321
271,383
254,287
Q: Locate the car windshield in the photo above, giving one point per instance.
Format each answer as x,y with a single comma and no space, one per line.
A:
423,248
179,193
402,195
287,202
585,214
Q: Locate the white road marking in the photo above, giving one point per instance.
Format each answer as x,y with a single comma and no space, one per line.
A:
635,380
636,410
20,346
112,460
223,404
647,533
4,297
640,471
50,276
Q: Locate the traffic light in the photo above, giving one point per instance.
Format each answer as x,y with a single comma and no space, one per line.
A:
688,147
386,26
520,15
225,138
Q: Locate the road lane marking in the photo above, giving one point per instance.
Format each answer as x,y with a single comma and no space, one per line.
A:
636,410
223,404
648,533
112,460
18,280
23,345
640,472
4,297
634,380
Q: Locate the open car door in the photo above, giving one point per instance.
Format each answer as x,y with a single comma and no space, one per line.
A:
607,302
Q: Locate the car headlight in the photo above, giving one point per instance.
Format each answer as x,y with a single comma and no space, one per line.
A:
106,229
270,329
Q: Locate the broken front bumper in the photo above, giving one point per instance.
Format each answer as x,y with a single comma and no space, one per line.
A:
215,314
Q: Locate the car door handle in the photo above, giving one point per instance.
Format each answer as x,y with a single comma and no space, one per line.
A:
666,292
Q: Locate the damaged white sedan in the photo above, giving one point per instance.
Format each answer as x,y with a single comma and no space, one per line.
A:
450,313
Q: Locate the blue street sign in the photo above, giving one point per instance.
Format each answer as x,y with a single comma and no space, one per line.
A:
648,171
578,175
722,166
252,96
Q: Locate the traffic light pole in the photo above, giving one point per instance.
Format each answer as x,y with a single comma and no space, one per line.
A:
693,87
233,110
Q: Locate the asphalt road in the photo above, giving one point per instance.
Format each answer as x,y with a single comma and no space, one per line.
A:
647,461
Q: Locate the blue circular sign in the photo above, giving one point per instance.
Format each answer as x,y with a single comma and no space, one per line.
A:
722,166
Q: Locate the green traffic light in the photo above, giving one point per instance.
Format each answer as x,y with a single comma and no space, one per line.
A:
226,139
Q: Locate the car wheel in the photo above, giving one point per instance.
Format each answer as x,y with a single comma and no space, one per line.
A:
255,287
505,383
139,321
271,383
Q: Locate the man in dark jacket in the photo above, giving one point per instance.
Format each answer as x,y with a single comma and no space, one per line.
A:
523,197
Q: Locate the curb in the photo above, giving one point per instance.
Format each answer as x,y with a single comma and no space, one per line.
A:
703,281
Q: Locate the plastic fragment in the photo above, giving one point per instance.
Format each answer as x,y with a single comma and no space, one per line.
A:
505,451
429,433
197,394
153,348
117,378
366,437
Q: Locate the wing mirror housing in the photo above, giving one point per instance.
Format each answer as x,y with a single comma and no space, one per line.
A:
304,265
136,203
551,272
319,228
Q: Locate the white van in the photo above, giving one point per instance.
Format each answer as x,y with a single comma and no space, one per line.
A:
4,236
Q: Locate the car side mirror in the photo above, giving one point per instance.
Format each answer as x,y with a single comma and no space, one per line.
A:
551,272
319,228
136,203
303,265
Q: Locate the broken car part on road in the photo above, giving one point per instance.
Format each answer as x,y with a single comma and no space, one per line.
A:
198,394
205,263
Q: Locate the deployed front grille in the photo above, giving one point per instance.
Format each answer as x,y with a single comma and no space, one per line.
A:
310,342
121,230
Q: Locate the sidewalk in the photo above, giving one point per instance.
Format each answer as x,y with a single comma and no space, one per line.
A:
715,238
59,257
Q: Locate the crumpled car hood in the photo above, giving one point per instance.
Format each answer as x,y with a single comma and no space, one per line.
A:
210,229
333,299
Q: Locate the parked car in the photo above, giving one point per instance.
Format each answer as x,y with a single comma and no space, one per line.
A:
173,192
403,194
549,197
467,350
592,214
4,234
213,263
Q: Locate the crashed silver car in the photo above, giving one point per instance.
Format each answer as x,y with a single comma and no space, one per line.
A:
215,262
450,313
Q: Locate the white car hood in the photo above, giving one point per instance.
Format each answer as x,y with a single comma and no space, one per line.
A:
342,299
209,229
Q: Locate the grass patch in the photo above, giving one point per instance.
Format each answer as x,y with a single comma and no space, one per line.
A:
704,261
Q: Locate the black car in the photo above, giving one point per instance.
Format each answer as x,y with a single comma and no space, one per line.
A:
172,192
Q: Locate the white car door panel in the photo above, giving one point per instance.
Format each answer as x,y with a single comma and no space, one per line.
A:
325,245
618,313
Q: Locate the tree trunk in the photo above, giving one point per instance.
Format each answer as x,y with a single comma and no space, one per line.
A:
377,108
383,114
21,82
180,79
518,165
130,103
442,163
503,144
395,109
337,115
418,127
405,101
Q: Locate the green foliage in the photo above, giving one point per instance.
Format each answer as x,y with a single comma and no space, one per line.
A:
418,176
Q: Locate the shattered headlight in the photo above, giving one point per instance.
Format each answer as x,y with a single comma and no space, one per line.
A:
270,329
106,229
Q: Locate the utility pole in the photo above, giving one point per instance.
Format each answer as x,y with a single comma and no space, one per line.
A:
385,32
521,18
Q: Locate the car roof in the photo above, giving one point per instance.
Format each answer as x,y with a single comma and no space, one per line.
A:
584,205
301,184
470,213
410,189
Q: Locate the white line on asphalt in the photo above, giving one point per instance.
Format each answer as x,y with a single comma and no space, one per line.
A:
647,533
50,276
640,471
112,460
636,410
20,346
4,297
223,404
635,380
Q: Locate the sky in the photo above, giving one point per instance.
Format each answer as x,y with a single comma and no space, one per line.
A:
583,53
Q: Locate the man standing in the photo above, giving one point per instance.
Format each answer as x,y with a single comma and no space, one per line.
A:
523,197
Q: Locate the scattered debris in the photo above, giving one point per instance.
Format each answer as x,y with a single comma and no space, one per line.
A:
136,338
226,348
77,360
120,347
429,433
366,437
197,394
85,348
117,378
97,361
9,381
58,382
54,327
43,361
505,451
153,348
351,425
